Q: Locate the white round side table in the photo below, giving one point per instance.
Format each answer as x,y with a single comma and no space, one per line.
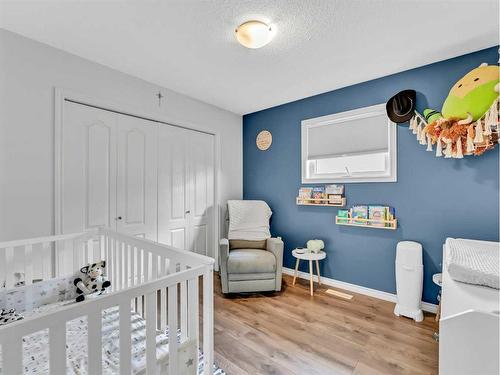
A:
303,254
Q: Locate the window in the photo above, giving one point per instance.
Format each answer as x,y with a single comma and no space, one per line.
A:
353,146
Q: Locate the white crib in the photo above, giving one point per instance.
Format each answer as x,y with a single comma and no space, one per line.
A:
157,283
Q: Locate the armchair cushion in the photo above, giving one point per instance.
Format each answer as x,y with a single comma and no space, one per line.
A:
247,244
251,261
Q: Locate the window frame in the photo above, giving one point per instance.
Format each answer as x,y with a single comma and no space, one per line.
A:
366,112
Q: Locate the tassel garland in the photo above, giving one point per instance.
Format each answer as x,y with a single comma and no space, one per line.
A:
447,150
415,126
479,132
423,138
439,148
455,139
429,143
459,154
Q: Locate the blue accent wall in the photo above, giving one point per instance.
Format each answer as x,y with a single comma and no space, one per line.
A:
434,197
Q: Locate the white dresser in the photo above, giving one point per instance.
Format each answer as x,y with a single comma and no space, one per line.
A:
469,328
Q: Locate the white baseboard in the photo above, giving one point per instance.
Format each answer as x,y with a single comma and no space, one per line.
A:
426,306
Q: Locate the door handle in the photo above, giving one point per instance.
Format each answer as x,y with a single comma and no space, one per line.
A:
188,212
118,218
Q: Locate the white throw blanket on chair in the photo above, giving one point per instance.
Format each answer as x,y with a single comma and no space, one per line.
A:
248,220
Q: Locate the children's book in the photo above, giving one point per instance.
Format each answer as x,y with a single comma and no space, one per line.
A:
305,194
318,193
360,212
377,213
390,215
334,189
334,198
343,216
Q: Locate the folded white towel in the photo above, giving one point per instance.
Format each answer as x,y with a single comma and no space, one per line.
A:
248,220
474,262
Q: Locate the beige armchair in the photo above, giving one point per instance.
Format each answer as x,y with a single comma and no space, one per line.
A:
251,269
251,265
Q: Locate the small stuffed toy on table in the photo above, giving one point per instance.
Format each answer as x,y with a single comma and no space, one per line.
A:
315,246
92,282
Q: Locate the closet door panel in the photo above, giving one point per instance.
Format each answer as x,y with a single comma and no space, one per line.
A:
88,168
201,165
99,175
172,187
137,177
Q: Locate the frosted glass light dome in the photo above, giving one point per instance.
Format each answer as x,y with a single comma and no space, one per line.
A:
254,34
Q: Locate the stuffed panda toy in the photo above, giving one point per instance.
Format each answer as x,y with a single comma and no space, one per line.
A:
93,282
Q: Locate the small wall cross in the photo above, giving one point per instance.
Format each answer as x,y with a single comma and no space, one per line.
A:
160,97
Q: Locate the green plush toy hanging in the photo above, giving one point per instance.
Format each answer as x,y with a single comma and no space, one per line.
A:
468,123
473,94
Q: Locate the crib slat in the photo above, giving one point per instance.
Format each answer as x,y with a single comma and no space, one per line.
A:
126,270
151,334
102,247
146,266
28,264
69,249
154,266
184,309
57,348
163,309
139,279
94,348
133,256
125,339
118,264
140,272
90,249
140,310
123,249
193,310
3,265
172,330
46,261
12,356
9,266
83,252
208,321
109,264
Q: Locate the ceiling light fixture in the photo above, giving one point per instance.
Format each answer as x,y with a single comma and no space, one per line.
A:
254,34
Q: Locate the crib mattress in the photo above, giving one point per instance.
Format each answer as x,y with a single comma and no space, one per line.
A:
474,262
36,353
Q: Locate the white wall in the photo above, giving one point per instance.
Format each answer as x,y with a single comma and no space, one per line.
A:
29,72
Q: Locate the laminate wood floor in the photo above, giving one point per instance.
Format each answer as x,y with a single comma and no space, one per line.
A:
292,333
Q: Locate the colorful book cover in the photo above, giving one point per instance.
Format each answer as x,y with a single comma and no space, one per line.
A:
305,194
334,198
378,213
360,212
334,189
343,216
318,193
390,214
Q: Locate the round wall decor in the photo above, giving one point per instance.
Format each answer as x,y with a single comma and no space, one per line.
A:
264,140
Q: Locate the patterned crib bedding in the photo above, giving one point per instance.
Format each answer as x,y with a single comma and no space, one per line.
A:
51,295
36,352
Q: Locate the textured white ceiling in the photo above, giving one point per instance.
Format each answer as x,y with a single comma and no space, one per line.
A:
321,45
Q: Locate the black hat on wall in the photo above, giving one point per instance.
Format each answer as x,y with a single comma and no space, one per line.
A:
401,107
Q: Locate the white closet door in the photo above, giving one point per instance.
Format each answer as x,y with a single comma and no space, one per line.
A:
136,205
173,201
186,189
88,168
201,195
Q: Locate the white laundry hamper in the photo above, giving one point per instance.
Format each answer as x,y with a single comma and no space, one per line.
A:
409,279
